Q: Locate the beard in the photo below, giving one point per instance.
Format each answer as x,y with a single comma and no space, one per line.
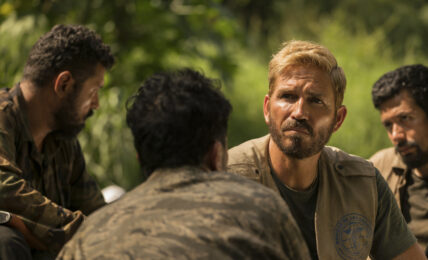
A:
298,148
413,160
67,121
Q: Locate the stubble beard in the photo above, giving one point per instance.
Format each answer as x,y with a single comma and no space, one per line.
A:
67,120
414,160
297,148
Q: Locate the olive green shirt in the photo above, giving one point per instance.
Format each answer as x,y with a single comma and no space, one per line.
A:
188,213
50,191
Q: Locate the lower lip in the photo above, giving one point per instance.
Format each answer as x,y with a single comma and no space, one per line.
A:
406,151
297,131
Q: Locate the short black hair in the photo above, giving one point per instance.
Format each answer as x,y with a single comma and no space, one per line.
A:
66,47
175,118
413,78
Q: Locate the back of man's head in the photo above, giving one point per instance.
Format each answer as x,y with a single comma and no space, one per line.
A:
176,118
412,78
66,47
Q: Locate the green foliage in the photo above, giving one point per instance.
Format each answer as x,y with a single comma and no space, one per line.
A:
232,40
16,38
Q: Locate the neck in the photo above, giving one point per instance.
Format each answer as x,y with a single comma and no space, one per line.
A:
297,174
38,112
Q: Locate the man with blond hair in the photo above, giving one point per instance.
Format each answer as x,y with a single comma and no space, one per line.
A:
340,202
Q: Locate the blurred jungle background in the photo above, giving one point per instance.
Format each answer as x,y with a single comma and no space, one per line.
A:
231,40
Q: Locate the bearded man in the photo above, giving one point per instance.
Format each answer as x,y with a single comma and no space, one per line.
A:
340,202
188,208
401,96
45,191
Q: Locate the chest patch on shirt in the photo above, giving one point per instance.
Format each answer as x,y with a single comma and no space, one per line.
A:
354,236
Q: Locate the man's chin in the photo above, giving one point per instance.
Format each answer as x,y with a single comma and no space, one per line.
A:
69,132
413,161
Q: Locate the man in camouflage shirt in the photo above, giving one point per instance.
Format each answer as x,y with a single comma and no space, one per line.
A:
188,208
45,191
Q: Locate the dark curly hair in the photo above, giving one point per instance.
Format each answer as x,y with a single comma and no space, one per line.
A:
413,78
175,118
66,47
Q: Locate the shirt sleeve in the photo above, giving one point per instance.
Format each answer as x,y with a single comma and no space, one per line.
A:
48,221
391,235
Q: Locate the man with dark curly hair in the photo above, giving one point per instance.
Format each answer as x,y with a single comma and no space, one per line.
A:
45,191
188,208
401,96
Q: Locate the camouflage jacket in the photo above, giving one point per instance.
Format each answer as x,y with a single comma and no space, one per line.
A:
186,213
50,191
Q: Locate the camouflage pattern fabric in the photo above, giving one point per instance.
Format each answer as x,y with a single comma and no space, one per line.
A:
50,191
186,213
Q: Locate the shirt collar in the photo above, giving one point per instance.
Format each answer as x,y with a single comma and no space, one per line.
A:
19,102
398,166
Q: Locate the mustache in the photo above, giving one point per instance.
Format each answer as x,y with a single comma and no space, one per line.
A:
405,144
90,113
292,124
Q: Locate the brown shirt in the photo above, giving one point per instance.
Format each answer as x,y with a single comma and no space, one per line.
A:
410,191
50,191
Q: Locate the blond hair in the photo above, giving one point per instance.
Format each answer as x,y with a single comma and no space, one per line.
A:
308,53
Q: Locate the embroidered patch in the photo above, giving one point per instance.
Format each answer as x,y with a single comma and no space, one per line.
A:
354,236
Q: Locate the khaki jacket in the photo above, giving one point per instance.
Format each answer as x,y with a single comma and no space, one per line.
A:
347,196
394,170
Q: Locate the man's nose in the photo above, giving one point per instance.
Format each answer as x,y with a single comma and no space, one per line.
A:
300,110
397,134
95,102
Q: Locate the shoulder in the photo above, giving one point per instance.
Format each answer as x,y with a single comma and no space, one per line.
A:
5,99
248,151
8,110
348,164
249,158
239,186
386,159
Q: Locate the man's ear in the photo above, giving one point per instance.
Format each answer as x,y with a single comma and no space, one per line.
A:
340,117
64,83
216,159
266,109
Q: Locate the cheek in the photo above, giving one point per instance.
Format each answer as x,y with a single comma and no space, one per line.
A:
323,122
86,104
280,110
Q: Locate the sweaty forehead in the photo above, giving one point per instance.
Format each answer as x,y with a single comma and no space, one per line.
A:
298,75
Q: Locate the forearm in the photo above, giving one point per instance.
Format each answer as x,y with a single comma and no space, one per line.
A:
414,252
16,223
37,218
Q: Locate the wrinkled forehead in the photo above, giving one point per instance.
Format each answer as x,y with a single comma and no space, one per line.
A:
307,72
